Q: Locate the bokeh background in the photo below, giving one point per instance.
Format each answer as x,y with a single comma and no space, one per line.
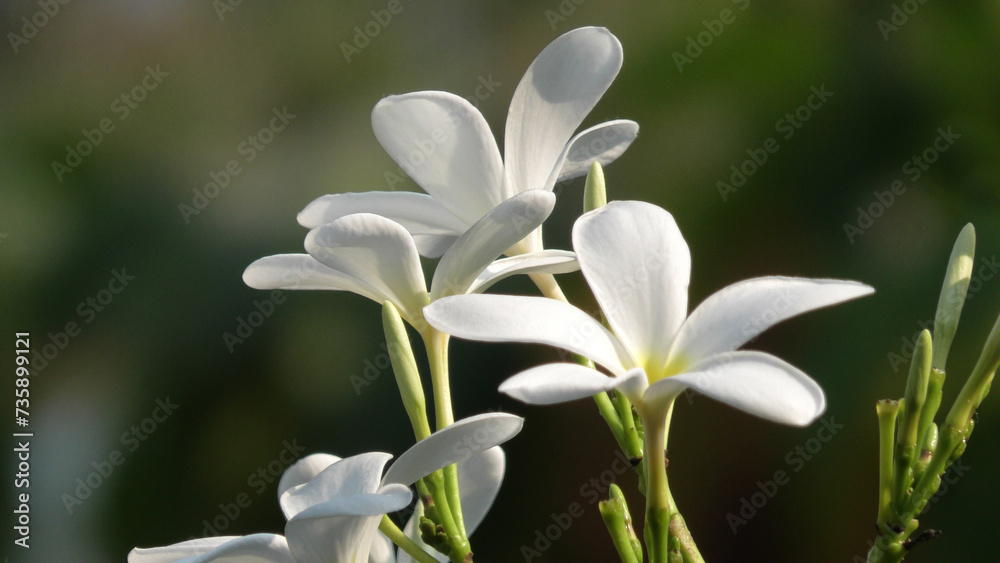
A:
63,237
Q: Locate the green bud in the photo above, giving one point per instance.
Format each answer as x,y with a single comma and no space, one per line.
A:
975,388
616,517
594,193
953,293
916,392
405,367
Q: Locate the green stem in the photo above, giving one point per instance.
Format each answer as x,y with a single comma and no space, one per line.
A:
437,356
392,531
887,411
658,505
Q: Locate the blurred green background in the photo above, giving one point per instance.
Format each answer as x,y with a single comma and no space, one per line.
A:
64,236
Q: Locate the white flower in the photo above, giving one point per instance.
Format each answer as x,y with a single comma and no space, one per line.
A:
638,266
445,145
376,257
334,505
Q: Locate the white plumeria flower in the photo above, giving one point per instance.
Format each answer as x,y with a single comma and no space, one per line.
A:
444,143
376,257
638,266
334,505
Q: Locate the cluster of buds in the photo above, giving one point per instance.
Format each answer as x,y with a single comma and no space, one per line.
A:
914,452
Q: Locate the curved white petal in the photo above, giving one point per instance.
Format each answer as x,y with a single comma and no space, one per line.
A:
446,146
303,471
453,444
558,383
756,383
377,251
556,93
355,475
540,262
638,266
420,214
498,230
301,271
342,528
509,318
602,143
736,314
256,548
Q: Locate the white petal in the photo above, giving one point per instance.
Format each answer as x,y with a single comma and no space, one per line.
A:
256,548
556,93
602,143
757,383
509,318
498,230
638,266
479,479
420,214
303,471
343,529
452,445
558,383
377,251
301,271
541,262
445,145
737,314
382,551
355,475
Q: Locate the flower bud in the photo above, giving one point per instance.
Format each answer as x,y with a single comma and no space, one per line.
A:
594,193
953,293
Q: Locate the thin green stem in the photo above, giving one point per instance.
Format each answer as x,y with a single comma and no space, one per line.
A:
437,355
392,531
658,505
